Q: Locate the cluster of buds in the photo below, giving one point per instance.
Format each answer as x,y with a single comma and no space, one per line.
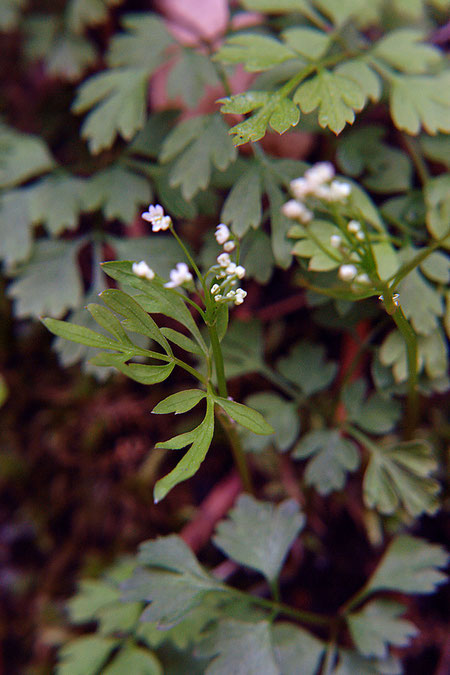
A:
350,249
318,182
226,272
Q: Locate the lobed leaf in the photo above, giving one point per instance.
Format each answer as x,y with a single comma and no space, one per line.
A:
307,367
282,415
85,655
255,52
245,416
180,402
259,535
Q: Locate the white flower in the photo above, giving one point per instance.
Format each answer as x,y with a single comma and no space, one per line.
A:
223,259
360,235
300,188
230,294
141,269
319,173
229,246
218,297
335,240
155,216
231,269
297,210
347,272
222,233
240,272
240,295
339,191
354,226
179,276
362,278
214,288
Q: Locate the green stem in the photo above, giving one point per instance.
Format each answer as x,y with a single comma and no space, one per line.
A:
414,262
218,360
417,158
190,258
236,449
410,338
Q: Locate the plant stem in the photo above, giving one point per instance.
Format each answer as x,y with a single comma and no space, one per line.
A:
236,449
218,360
301,615
417,158
410,338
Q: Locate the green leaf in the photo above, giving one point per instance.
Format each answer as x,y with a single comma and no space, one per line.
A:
160,299
432,354
307,367
309,42
377,626
420,301
136,660
182,341
109,322
363,75
207,145
240,104
82,335
255,52
376,414
259,535
171,579
118,99
399,474
275,6
245,416
161,252
282,415
315,244
294,647
242,207
55,201
118,191
85,655
137,319
10,13
352,662
49,283
135,371
437,199
16,241
180,402
142,45
191,461
340,11
69,56
405,50
436,148
417,101
242,348
332,457
190,76
23,156
437,267
92,596
409,565
279,224
337,98
361,152
181,135
257,256
84,13
239,647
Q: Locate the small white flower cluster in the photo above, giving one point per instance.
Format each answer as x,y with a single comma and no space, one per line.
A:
155,216
179,276
227,271
318,182
141,269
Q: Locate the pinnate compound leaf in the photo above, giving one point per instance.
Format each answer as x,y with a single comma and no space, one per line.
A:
109,322
295,647
15,226
363,75
134,659
142,44
242,208
190,463
421,302
409,565
49,283
377,626
159,299
405,50
245,416
336,96
282,415
255,52
82,335
309,42
137,319
190,76
118,191
259,534
437,200
240,647
417,101
171,579
118,99
180,402
400,475
85,655
332,457
307,367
